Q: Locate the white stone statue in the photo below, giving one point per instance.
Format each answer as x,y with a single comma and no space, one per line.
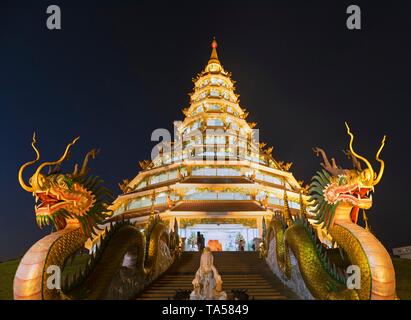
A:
207,282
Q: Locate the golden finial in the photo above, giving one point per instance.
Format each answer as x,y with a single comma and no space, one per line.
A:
214,56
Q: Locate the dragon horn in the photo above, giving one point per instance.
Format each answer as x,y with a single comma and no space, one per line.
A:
356,154
91,154
377,157
59,160
24,166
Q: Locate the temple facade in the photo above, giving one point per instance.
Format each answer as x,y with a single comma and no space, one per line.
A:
214,176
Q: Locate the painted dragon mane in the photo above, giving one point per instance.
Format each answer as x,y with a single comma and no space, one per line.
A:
335,197
123,259
64,196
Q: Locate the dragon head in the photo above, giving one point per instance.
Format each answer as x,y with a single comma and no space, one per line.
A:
334,185
61,196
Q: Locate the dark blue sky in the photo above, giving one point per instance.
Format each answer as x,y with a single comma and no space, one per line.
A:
115,72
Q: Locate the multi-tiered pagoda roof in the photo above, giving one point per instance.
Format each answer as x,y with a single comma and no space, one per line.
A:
215,168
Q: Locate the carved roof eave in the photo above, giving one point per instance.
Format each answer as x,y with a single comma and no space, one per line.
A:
246,163
164,210
206,115
209,75
193,95
195,104
205,73
258,185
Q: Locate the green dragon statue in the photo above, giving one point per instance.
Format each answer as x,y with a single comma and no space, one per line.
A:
75,204
296,254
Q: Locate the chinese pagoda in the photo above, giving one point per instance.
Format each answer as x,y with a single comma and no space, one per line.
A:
215,177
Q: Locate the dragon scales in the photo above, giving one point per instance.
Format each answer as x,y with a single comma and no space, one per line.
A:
336,195
75,204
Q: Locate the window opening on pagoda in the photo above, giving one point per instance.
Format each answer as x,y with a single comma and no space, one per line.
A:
161,198
215,122
196,125
214,107
255,158
274,200
242,144
221,153
140,203
171,175
142,184
228,172
268,178
294,205
260,196
220,139
234,126
174,197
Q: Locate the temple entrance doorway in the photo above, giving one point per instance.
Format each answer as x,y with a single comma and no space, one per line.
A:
220,237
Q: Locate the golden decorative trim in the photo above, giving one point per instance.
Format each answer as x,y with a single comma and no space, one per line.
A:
248,222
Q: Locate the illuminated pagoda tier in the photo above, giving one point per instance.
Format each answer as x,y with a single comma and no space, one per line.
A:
214,177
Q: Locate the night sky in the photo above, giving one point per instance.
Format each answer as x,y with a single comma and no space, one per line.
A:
120,69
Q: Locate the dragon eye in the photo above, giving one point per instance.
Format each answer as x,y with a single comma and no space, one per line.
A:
41,179
366,175
61,182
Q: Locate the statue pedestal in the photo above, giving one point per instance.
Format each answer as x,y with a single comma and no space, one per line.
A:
218,296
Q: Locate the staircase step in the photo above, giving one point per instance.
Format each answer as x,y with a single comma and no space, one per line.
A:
239,270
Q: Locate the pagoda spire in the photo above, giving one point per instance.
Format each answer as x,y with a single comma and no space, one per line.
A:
214,56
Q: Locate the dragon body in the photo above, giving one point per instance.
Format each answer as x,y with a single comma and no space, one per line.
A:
76,204
295,249
127,259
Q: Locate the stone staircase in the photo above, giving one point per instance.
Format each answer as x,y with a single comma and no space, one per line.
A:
238,270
